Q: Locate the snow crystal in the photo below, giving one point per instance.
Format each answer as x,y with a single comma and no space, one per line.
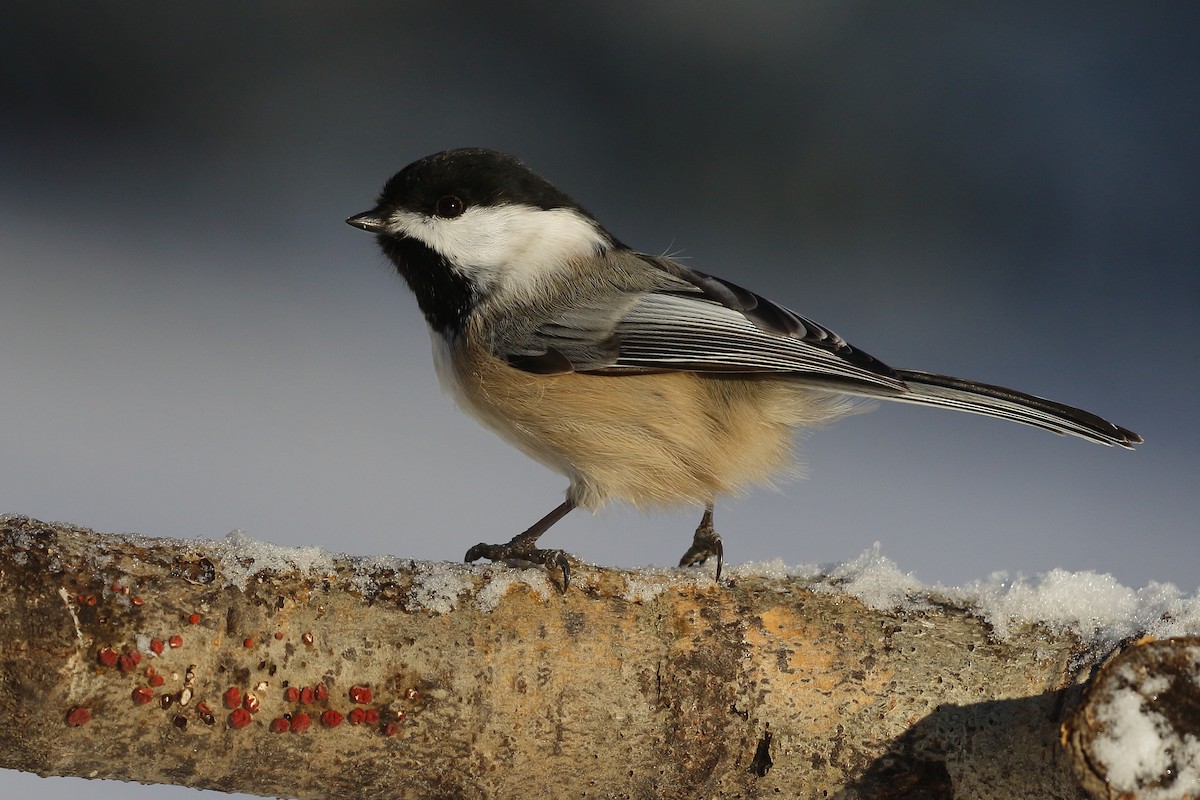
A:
774,569
876,581
500,578
645,584
241,558
643,590
371,573
1095,606
437,585
872,578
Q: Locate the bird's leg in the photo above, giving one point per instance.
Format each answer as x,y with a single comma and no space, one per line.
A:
706,543
522,546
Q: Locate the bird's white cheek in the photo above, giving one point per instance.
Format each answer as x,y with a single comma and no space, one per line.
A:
509,246
458,243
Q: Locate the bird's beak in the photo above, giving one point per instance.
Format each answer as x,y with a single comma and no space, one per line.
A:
369,221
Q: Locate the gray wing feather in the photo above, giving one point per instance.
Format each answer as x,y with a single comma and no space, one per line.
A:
686,332
675,319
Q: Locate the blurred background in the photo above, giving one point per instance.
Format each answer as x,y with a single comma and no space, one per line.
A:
192,340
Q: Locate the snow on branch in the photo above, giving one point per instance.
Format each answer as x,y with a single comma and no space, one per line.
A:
241,666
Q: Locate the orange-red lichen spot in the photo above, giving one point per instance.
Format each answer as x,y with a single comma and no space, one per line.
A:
78,716
239,718
107,657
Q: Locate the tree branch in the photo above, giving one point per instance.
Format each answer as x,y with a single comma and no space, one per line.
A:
134,658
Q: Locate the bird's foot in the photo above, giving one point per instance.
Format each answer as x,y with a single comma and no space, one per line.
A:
523,546
706,543
523,550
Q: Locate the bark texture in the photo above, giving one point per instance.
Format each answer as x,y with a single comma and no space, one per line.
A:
441,681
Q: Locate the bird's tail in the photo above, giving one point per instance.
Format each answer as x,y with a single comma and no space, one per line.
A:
928,389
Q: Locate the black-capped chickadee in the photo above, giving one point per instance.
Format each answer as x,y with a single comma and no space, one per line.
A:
638,378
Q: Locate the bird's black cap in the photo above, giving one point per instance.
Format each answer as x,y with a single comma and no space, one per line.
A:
476,176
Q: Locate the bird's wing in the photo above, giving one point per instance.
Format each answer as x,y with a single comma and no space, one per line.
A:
683,320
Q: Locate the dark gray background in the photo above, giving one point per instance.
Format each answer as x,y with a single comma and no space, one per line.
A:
192,341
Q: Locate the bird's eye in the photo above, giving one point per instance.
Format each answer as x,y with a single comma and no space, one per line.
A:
449,207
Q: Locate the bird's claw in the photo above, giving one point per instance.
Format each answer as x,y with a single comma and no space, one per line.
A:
706,543
516,551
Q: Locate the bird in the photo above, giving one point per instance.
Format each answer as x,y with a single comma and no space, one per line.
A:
637,378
